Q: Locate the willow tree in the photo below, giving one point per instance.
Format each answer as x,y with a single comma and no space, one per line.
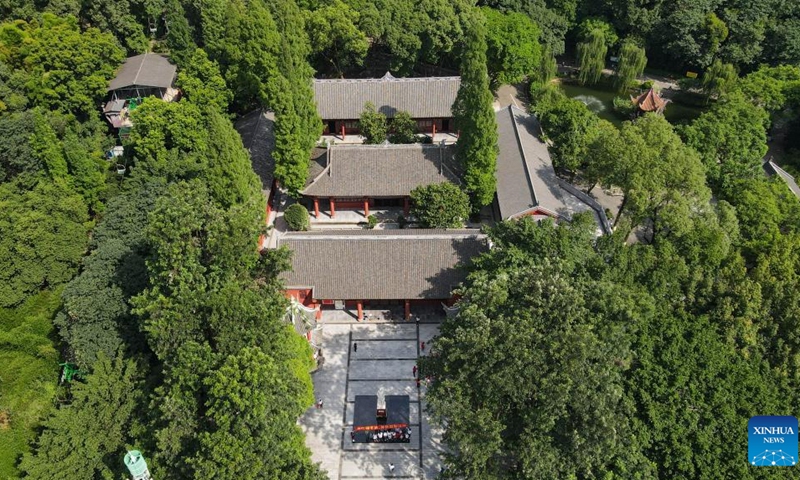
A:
718,79
631,64
592,57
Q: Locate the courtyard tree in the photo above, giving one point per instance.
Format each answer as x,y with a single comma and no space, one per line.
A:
592,57
403,128
296,217
475,118
336,42
632,61
372,125
571,126
440,205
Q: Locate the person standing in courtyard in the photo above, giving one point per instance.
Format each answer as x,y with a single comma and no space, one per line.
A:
391,468
415,371
422,346
355,347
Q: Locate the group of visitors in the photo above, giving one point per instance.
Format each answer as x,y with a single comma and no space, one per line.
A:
393,435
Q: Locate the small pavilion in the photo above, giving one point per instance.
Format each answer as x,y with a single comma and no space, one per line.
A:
650,101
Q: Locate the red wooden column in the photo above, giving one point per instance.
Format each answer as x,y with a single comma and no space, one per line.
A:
343,137
408,310
333,207
319,312
316,207
434,130
360,306
366,207
406,206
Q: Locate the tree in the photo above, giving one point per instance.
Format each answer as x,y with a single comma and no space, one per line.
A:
630,65
526,322
67,70
732,141
43,236
513,50
571,126
772,87
586,28
719,79
87,438
475,118
592,57
180,37
440,205
403,128
253,405
372,125
545,70
296,217
201,82
335,40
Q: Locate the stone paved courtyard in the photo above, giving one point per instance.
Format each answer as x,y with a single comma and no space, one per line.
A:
383,365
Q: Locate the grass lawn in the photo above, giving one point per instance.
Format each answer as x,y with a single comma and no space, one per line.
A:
29,377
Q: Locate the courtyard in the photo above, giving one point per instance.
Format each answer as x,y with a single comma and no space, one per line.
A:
381,364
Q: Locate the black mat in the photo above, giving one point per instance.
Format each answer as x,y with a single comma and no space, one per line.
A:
364,414
397,409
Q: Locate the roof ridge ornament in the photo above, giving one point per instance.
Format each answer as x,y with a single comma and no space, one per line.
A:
388,76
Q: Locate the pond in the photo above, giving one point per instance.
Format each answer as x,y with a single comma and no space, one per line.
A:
600,101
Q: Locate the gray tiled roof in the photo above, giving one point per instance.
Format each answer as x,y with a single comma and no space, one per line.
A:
525,175
258,136
424,97
771,168
382,170
145,70
381,264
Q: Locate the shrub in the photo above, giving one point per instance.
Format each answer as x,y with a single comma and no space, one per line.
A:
623,107
404,128
296,217
372,221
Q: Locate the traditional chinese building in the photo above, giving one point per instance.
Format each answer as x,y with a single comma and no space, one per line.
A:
378,268
772,169
144,75
527,184
429,101
650,101
362,177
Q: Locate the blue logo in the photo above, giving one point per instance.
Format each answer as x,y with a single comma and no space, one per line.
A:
772,441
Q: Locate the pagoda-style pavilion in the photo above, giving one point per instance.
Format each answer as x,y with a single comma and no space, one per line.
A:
650,101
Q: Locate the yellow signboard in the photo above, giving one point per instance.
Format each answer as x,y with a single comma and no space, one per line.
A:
691,74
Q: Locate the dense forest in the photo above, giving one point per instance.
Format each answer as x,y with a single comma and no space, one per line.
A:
572,356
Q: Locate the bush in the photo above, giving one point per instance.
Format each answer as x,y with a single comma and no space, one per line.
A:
372,221
647,85
441,205
296,217
623,107
404,128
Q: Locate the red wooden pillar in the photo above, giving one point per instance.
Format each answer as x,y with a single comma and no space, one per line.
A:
366,207
434,130
360,306
343,131
316,207
333,207
408,309
269,210
406,206
319,313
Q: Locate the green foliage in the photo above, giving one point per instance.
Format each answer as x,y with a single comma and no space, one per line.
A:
253,405
30,361
719,79
296,217
571,126
592,57
87,438
772,87
43,235
96,315
440,205
631,64
180,38
513,50
586,31
544,72
65,69
201,82
372,221
335,40
731,139
116,17
403,128
372,125
475,119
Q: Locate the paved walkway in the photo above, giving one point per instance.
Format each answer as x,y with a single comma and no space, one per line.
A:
382,365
